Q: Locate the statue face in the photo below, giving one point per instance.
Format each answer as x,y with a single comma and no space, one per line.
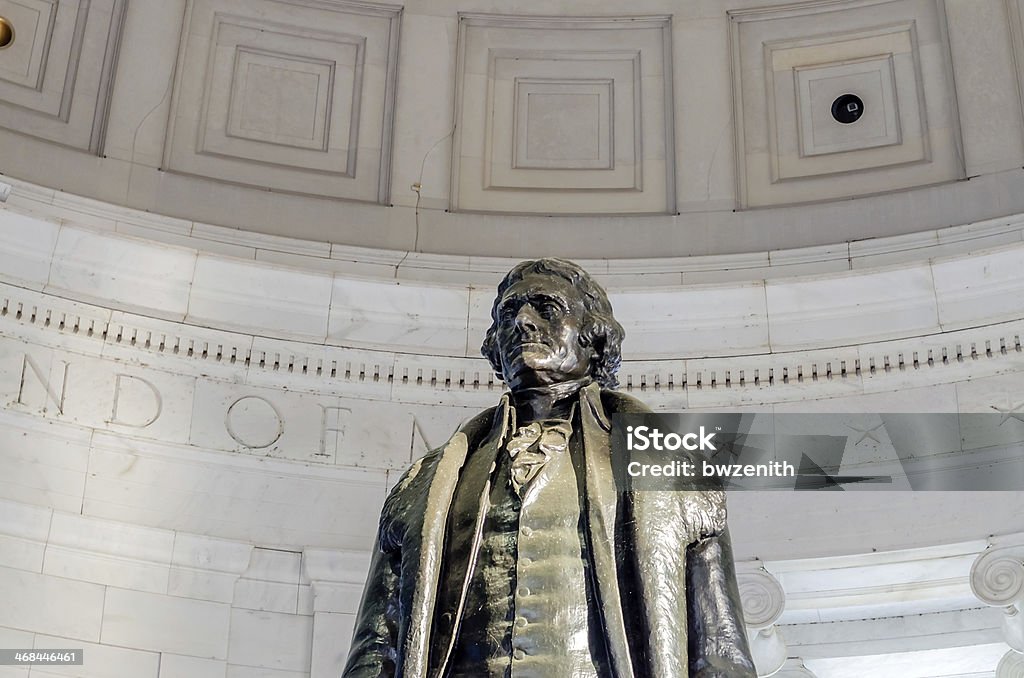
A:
538,337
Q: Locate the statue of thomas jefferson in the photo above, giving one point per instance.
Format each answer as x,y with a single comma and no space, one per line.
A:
510,551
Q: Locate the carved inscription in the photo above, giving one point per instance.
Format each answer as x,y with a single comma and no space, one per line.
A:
29,365
332,430
253,422
134,385
248,421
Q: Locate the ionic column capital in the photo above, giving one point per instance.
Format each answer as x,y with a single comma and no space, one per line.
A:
1011,665
997,579
763,600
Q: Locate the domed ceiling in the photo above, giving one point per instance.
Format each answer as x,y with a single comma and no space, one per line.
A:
476,128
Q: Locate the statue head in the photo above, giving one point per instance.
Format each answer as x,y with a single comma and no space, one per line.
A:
551,323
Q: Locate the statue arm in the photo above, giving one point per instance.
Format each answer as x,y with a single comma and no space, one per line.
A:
374,650
374,641
718,645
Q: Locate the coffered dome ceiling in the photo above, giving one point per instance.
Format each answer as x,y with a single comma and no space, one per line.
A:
475,128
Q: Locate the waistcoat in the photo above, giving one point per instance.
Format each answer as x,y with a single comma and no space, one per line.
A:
529,610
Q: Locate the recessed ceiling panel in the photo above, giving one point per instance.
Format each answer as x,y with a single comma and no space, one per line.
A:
564,116
292,96
56,72
842,99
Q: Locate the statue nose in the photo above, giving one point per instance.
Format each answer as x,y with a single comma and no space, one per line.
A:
525,319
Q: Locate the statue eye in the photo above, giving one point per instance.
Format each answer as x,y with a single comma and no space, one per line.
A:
550,310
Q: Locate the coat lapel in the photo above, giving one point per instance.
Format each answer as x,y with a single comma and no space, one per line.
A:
432,539
471,495
601,507
439,496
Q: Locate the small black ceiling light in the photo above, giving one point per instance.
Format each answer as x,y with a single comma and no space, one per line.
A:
847,108
6,33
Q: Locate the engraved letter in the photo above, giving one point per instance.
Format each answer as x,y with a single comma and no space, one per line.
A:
158,401
58,398
249,412
332,429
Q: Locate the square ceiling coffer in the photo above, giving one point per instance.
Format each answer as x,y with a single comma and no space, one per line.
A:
578,122
860,108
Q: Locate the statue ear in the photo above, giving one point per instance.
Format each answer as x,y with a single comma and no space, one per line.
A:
587,340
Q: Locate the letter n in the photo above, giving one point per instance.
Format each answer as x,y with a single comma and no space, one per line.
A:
29,364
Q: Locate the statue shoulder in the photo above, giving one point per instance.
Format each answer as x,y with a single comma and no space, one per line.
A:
418,476
407,498
617,402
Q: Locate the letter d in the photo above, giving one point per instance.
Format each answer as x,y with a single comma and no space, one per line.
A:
119,385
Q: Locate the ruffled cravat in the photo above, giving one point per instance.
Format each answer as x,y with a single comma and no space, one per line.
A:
532,446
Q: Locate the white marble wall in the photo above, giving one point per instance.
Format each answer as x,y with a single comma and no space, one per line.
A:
155,603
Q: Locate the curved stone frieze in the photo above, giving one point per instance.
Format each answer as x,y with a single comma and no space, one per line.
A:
618,274
384,375
949,310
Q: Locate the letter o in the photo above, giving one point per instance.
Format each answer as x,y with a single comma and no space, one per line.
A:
254,412
672,441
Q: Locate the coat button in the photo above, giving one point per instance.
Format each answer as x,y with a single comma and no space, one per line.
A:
521,622
527,532
519,654
523,592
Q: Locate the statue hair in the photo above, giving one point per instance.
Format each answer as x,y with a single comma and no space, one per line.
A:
600,330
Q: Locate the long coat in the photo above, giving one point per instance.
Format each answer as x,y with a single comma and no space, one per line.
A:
666,585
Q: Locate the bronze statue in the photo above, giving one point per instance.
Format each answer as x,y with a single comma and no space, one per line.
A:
510,551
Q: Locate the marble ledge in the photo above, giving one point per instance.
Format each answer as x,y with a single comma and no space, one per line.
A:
484,271
242,298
